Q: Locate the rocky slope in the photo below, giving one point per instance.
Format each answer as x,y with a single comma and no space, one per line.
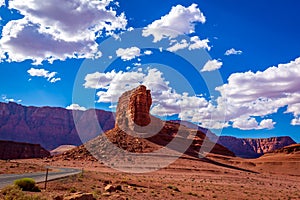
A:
18,150
49,126
252,148
61,149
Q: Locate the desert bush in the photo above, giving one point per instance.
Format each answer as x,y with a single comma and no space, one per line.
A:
73,190
173,188
27,184
193,194
13,192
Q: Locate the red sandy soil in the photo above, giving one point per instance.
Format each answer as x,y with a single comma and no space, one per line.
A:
17,167
269,177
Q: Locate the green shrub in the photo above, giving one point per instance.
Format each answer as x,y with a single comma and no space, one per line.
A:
27,184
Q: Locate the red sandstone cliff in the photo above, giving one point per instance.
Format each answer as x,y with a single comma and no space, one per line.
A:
49,126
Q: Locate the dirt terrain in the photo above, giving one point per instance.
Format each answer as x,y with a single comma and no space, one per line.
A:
20,166
218,177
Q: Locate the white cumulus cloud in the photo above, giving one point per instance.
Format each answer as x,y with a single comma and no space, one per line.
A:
295,121
194,43
128,53
180,20
7,99
177,46
50,76
113,84
57,30
232,51
75,107
148,52
251,123
212,65
262,93
2,3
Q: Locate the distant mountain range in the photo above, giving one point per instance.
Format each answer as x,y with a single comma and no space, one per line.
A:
52,127
253,148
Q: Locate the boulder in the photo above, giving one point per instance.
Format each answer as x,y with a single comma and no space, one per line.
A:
109,188
80,196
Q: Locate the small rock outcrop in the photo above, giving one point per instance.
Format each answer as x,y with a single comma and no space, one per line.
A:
17,150
80,196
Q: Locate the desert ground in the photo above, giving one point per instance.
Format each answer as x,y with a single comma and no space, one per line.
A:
219,177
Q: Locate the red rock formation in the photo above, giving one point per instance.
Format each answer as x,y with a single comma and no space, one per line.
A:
49,126
137,131
18,150
133,109
170,135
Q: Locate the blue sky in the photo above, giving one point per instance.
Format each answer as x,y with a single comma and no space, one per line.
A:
224,64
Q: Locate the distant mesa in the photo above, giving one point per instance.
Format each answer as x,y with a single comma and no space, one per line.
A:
253,148
19,150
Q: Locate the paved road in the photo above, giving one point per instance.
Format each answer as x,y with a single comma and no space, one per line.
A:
7,179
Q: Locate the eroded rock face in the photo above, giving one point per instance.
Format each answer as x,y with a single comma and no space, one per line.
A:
50,126
133,109
18,150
